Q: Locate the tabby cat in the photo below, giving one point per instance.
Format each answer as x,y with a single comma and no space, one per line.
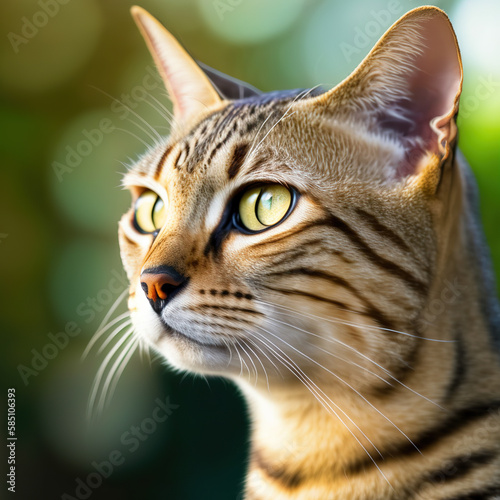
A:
322,249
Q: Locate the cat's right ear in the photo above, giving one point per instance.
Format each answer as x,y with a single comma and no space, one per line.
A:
229,87
189,88
408,87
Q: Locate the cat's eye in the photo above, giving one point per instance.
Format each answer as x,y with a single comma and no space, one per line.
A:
264,206
149,212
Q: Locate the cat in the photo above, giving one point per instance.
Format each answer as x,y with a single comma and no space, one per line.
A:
322,249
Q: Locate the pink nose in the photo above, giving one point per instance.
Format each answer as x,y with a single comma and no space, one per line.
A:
159,285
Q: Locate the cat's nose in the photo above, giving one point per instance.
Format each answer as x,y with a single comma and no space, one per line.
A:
160,284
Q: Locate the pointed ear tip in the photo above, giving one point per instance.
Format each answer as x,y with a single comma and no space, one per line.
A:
136,11
140,15
437,14
427,11
432,14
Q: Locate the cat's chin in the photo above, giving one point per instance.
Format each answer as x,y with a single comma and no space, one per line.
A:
186,353
183,351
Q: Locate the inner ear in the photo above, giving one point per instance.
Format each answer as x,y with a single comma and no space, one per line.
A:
408,87
423,111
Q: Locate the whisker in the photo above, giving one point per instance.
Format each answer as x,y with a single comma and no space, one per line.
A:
116,371
148,146
350,362
299,96
101,331
241,361
100,372
153,140
257,134
357,325
327,407
112,309
264,353
227,344
245,364
142,350
351,348
113,334
320,390
130,109
147,349
165,113
260,361
283,116
251,360
340,379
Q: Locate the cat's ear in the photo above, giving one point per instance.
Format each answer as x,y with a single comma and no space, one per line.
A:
409,86
189,88
229,87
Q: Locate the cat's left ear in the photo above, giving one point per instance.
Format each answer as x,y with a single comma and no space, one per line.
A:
193,87
189,88
408,86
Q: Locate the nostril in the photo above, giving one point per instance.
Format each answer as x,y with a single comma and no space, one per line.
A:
167,288
160,284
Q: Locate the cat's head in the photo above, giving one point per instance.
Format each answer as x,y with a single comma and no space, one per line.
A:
273,230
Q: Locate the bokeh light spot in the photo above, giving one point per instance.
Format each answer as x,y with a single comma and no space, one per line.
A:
85,279
84,173
246,22
478,34
46,47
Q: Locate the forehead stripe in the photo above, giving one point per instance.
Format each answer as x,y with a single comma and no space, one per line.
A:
160,164
239,155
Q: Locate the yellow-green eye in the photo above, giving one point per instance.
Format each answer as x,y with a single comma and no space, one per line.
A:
159,213
264,206
150,212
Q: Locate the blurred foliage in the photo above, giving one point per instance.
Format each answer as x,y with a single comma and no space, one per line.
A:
64,67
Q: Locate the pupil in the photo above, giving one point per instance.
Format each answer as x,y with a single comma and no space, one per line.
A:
158,205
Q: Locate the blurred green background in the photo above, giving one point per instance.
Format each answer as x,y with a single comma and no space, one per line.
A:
65,66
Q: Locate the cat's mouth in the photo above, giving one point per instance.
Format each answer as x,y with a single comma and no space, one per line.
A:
177,334
170,332
191,350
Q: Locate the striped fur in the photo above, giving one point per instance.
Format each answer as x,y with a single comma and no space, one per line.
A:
363,330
